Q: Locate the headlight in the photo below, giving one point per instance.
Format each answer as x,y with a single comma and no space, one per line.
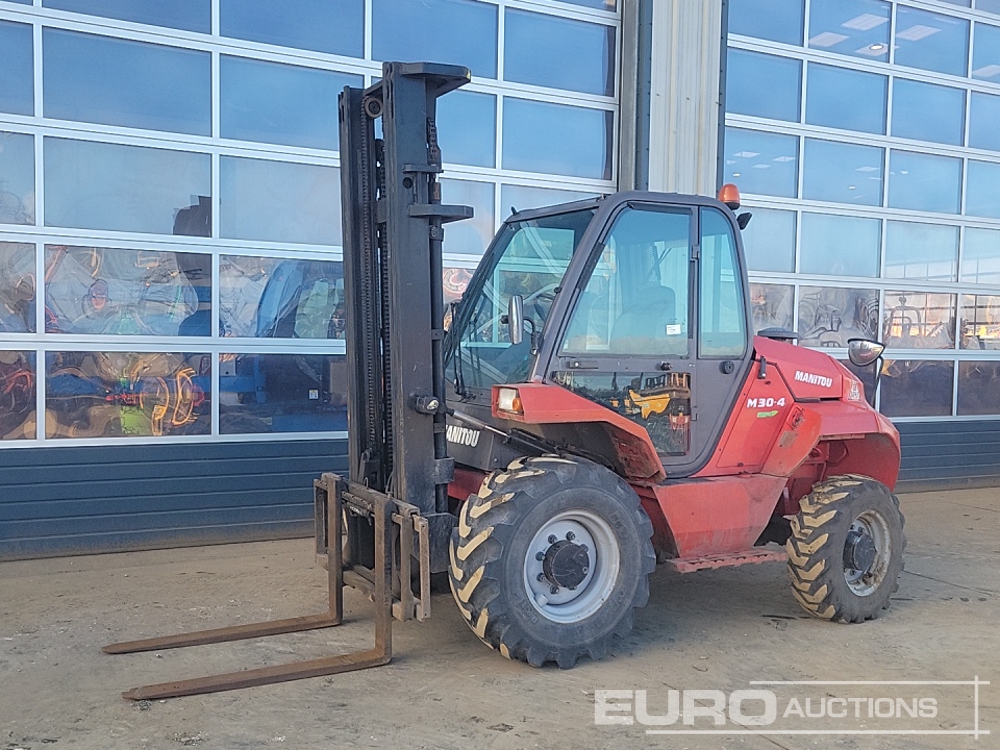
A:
508,400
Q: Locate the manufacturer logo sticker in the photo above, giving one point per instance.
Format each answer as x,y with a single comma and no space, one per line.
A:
463,436
813,379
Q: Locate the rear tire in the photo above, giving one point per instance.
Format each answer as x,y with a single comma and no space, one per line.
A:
550,559
845,552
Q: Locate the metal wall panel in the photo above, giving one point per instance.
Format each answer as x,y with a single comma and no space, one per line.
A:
81,500
685,96
949,455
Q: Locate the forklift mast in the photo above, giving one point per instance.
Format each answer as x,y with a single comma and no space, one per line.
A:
392,226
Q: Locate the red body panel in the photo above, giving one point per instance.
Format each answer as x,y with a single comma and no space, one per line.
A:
758,415
712,516
808,373
804,421
466,482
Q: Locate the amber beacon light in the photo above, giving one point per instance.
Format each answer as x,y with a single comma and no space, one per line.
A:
730,195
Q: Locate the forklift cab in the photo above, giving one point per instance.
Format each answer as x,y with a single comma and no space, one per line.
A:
636,301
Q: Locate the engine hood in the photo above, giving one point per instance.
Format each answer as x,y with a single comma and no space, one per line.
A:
809,373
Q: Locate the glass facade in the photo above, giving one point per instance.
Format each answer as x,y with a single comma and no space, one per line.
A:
170,229
871,162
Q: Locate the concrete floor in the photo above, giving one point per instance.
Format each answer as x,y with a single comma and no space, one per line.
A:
716,630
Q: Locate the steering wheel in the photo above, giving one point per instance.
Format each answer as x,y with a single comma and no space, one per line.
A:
541,300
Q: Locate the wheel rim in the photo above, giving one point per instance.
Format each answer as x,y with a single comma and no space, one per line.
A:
554,558
868,528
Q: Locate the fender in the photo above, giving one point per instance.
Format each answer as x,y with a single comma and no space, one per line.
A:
542,403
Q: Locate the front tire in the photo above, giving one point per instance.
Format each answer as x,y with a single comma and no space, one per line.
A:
845,552
550,559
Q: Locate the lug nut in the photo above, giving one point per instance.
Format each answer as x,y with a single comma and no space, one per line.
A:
539,556
583,547
554,590
585,570
552,539
540,577
571,588
570,536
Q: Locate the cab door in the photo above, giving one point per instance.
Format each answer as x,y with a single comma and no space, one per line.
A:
657,329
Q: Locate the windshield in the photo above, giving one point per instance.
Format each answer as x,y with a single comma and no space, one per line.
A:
530,259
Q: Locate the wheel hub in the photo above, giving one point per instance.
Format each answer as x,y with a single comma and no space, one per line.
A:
566,564
571,565
859,550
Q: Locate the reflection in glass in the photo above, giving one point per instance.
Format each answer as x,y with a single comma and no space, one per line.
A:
924,182
920,251
981,256
777,20
984,115
279,201
522,197
17,178
467,128
127,292
282,393
931,41
839,245
127,394
611,5
121,82
849,99
916,388
286,104
557,139
191,15
769,240
281,298
90,185
990,6
17,287
830,316
17,395
17,94
979,387
982,195
919,320
455,282
459,32
842,173
926,112
859,28
471,236
986,52
979,324
762,163
746,94
771,306
317,25
559,52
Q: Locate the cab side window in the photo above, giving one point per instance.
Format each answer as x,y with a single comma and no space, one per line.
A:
722,320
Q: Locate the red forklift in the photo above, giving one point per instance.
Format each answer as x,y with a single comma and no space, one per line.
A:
598,404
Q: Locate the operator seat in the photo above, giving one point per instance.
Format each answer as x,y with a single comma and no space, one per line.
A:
642,327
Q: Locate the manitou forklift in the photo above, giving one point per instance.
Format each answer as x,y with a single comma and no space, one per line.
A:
598,404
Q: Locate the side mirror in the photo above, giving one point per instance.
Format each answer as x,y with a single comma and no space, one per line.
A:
515,318
862,352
